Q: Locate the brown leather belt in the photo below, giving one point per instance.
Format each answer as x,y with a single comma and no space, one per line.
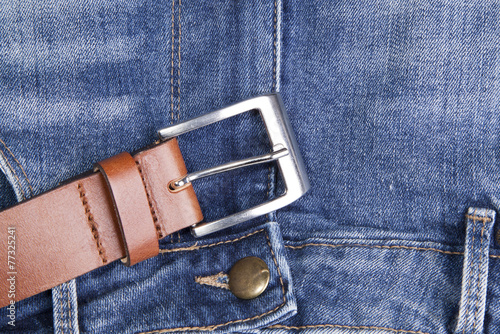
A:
119,212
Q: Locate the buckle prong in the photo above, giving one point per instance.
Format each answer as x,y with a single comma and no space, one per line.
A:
182,182
285,152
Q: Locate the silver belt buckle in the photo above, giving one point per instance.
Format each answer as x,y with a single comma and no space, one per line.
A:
284,150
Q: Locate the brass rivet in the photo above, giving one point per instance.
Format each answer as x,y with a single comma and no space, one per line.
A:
249,277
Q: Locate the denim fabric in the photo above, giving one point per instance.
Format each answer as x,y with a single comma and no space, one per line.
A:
394,106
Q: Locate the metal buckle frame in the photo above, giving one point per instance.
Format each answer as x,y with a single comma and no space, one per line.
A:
284,150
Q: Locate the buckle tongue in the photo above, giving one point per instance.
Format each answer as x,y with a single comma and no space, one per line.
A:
285,152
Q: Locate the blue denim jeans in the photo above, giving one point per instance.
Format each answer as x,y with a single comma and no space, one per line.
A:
395,108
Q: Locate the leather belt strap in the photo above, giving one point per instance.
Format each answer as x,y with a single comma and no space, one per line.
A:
117,213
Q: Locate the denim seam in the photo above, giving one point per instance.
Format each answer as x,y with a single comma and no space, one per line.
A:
179,68
173,66
213,327
474,218
270,169
172,70
369,246
213,280
61,311
470,276
92,223
70,320
182,249
275,37
14,173
348,327
277,268
378,246
152,209
196,247
19,164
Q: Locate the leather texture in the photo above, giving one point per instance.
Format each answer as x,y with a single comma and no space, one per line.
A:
131,207
74,228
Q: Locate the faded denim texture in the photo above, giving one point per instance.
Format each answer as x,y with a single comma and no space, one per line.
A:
395,106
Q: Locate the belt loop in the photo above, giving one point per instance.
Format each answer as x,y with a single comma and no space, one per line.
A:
131,207
65,305
475,271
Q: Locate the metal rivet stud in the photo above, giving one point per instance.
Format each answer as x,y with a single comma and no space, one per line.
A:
249,277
